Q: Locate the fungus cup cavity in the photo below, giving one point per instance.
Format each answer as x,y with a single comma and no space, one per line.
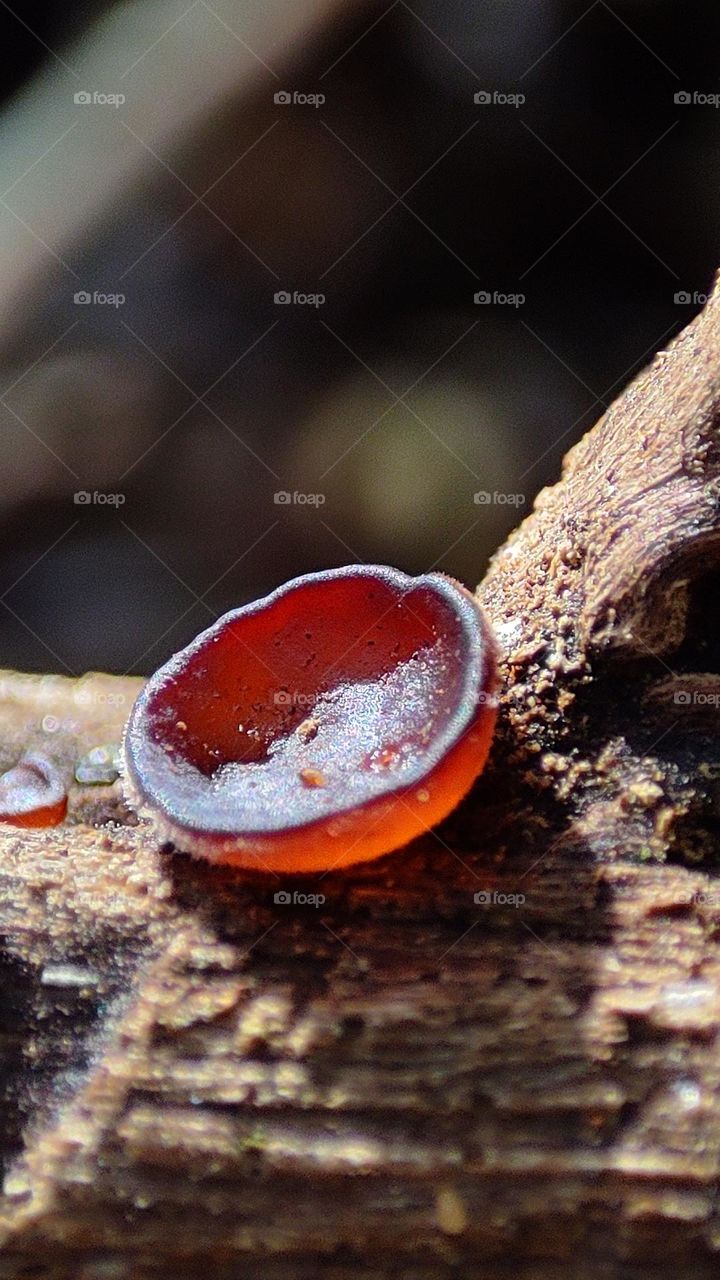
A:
324,725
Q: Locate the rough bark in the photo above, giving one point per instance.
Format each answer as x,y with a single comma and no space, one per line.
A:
404,1080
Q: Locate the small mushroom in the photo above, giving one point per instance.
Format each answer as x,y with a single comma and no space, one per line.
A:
33,793
396,675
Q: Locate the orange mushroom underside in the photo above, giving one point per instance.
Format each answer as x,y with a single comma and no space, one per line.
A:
33,793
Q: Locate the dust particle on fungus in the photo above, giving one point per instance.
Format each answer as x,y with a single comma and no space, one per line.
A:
312,777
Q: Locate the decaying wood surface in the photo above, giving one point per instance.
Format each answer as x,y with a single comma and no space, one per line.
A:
405,1078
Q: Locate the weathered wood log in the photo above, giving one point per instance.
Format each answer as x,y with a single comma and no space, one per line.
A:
492,1053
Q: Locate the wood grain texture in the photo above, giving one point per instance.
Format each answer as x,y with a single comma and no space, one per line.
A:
406,1079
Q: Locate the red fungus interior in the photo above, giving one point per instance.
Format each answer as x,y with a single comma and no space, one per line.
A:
283,716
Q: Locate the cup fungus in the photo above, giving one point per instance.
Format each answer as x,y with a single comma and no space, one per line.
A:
324,725
33,793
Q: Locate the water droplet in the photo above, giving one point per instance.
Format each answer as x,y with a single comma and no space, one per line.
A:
98,766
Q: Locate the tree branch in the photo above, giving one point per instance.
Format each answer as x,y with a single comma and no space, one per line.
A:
407,1078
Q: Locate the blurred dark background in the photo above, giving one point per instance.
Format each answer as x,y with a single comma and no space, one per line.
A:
578,196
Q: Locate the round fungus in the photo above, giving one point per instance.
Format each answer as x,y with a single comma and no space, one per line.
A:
324,725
